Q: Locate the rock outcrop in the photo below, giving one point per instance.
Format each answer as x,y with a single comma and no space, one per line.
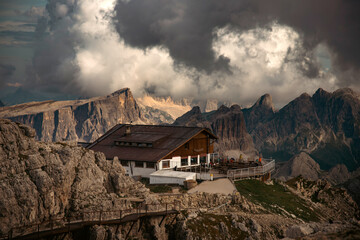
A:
338,174
78,120
40,181
226,123
299,165
159,110
260,112
325,125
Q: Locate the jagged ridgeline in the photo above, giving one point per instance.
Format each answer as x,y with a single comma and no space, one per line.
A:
326,125
78,120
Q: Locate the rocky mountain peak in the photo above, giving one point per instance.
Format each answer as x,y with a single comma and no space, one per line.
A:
265,101
227,123
345,91
223,109
123,91
191,118
77,120
301,164
338,174
235,107
304,96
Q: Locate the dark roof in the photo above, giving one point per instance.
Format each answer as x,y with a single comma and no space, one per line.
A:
164,140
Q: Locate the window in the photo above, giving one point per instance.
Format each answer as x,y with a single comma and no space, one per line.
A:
124,163
166,164
184,162
150,165
139,164
186,145
203,159
194,160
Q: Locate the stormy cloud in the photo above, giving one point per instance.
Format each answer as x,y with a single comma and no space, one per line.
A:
187,27
232,50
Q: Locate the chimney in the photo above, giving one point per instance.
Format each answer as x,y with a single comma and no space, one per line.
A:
128,130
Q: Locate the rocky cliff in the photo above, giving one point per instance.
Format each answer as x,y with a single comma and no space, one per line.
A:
299,165
40,181
79,120
325,125
227,123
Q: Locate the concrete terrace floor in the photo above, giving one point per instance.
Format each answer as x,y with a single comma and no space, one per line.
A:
222,185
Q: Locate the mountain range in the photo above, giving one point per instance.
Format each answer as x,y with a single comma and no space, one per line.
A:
326,125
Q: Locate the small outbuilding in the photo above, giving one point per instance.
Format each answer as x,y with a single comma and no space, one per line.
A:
171,177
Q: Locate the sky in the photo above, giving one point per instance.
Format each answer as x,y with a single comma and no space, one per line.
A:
232,50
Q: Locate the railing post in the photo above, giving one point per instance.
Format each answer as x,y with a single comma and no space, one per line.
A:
120,214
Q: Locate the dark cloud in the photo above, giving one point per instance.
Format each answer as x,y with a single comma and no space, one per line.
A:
187,27
230,49
6,71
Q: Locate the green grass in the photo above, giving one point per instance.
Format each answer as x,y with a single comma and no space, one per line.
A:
207,226
274,197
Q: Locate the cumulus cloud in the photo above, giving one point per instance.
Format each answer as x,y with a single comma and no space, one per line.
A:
231,50
34,12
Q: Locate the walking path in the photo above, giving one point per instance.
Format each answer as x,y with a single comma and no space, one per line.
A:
224,186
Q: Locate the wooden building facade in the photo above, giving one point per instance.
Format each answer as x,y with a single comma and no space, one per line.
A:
144,149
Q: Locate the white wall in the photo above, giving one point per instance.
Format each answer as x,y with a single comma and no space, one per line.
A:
175,161
169,180
145,172
136,171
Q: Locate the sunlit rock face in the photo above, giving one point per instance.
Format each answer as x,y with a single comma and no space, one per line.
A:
40,181
78,120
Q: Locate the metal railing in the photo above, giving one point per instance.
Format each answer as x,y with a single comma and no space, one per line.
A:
252,171
69,223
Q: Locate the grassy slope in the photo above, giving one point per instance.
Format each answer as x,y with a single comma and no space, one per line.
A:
275,197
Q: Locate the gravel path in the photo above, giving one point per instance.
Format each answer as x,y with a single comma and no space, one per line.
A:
218,186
